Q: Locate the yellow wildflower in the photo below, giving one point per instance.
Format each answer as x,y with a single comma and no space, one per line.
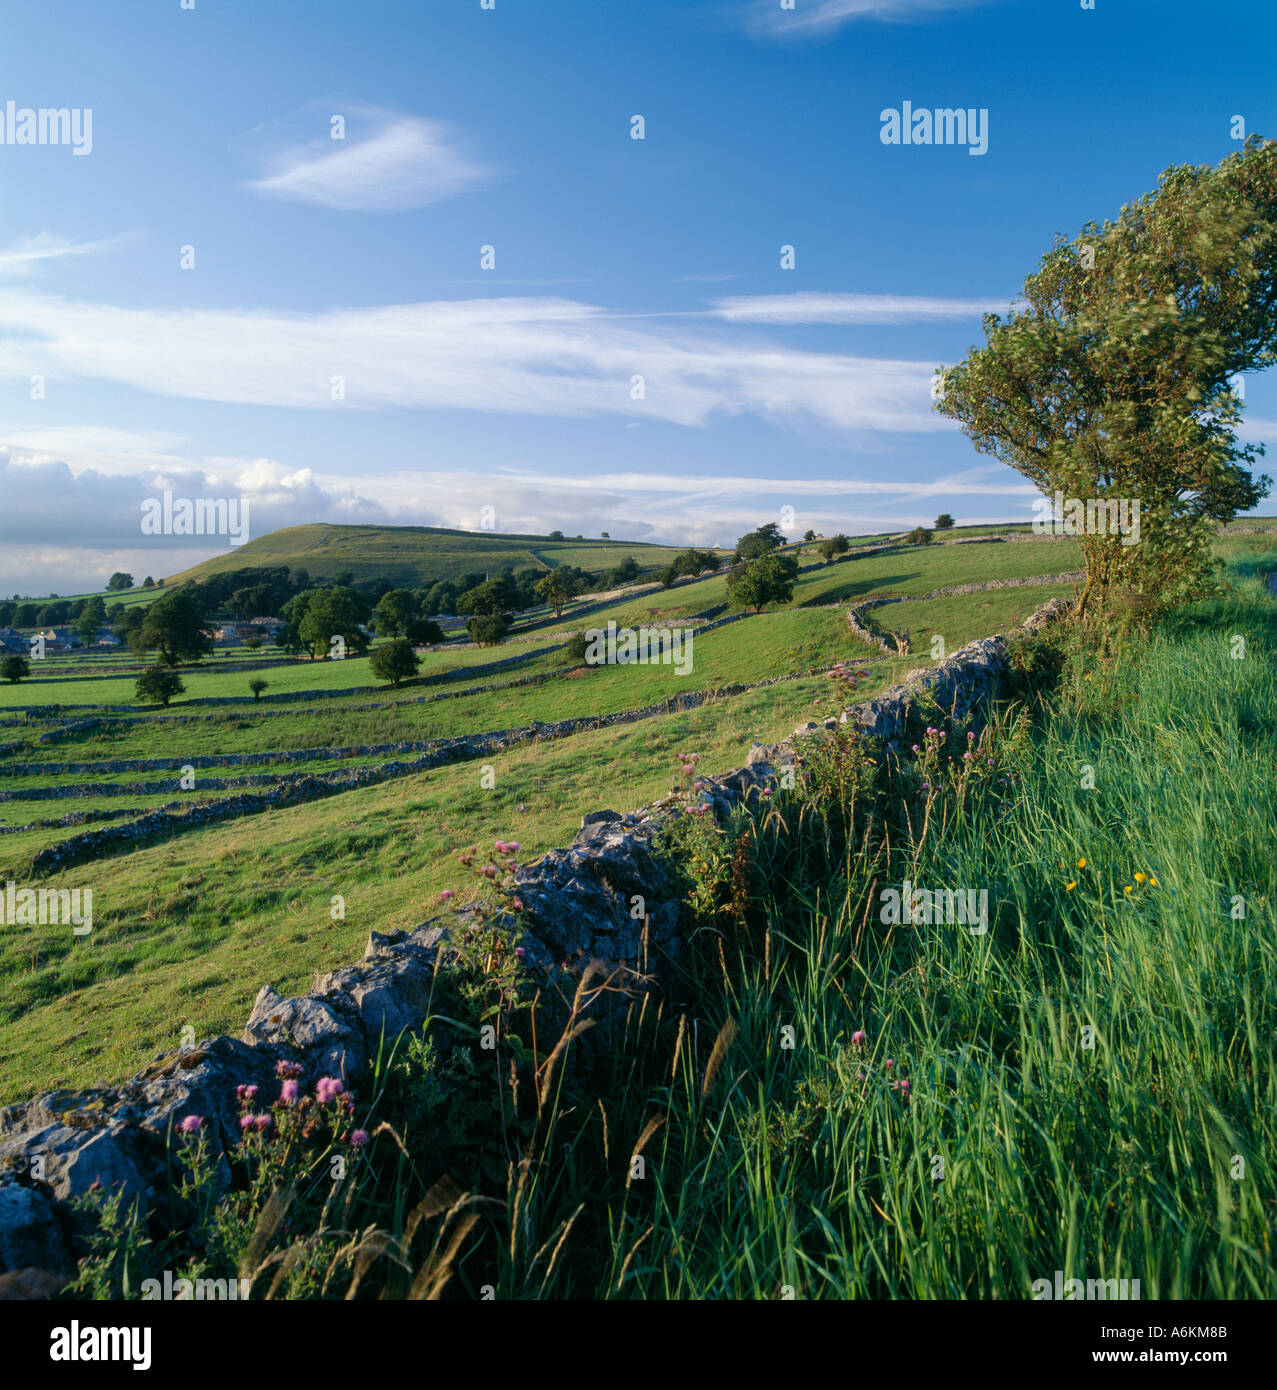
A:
1069,887
1081,863
1128,889
1141,878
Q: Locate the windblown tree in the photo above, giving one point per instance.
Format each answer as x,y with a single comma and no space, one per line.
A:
1114,379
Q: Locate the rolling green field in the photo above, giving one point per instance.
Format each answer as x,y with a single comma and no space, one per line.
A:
200,940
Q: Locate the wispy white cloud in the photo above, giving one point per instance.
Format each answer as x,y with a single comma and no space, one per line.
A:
26,255
535,356
809,306
405,162
813,18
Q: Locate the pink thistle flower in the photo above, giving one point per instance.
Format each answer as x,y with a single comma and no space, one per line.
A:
904,1086
859,1037
517,904
519,952
192,1124
288,1069
446,895
328,1088
358,1138
891,1062
243,1093
288,1092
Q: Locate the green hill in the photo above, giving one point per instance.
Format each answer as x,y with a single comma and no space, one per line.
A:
411,556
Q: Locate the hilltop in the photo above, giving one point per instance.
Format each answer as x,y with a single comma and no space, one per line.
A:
413,556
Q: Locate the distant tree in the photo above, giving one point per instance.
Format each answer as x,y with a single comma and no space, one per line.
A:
759,542
422,632
625,573
919,536
394,661
128,624
322,614
119,580
27,615
575,648
157,685
148,582
7,611
53,615
834,546
343,579
694,562
555,536
394,611
556,588
15,668
809,535
668,576
92,617
756,583
944,522
440,598
604,536
497,595
176,627
253,643
488,630
257,685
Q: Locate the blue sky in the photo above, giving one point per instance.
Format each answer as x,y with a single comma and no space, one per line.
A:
511,387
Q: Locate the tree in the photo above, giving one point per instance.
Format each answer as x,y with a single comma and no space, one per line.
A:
442,598
575,648
555,536
668,576
556,588
148,582
1113,383
944,522
919,536
15,668
759,542
625,573
756,583
313,618
809,535
693,562
257,685
158,684
603,535
422,632
834,546
92,617
492,596
119,580
176,627
394,611
394,661
488,630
